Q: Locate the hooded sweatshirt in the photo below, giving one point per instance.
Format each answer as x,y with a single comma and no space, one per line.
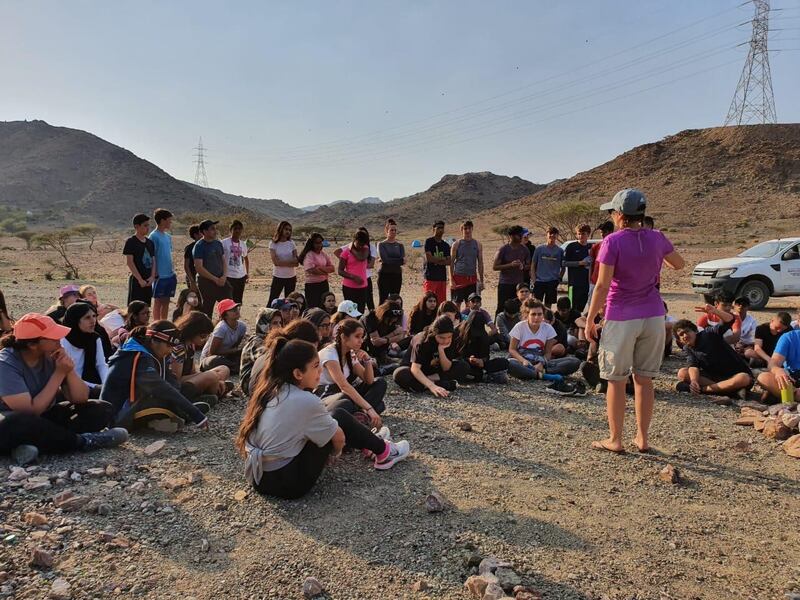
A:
136,376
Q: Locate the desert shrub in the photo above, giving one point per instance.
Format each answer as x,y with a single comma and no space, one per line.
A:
59,241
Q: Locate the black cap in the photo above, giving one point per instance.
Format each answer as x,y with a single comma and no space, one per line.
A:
206,224
473,296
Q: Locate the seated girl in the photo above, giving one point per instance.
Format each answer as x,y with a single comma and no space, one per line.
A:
398,299
88,293
473,344
224,347
140,386
84,346
434,361
188,300
385,331
531,346
268,319
423,313
287,435
44,404
322,321
347,309
208,386
348,377
449,309
329,303
136,315
299,301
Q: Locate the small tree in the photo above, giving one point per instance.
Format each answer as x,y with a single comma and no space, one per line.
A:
567,216
88,230
502,231
59,241
28,236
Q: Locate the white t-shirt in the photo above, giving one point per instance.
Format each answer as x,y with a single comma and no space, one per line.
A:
373,252
235,253
748,331
329,354
77,355
284,251
532,342
230,337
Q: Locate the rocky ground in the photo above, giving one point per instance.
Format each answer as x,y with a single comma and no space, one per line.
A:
511,465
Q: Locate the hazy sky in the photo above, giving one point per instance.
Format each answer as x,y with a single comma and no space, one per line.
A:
316,101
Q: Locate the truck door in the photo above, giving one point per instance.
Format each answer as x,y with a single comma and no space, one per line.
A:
790,270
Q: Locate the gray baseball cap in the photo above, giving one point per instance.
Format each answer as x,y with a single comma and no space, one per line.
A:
630,203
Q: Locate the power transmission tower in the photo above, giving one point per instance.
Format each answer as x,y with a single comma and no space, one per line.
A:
753,101
200,177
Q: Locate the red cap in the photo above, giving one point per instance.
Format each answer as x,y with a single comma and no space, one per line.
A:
225,305
34,325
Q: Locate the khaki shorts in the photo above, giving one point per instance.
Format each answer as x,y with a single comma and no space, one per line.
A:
631,346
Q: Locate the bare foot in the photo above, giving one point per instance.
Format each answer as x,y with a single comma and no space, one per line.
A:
641,445
608,446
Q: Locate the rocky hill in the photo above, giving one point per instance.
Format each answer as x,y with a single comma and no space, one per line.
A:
63,176
721,182
273,207
452,198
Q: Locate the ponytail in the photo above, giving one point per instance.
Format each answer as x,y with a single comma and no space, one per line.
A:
283,357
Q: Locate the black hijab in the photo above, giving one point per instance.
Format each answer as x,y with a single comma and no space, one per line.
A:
85,341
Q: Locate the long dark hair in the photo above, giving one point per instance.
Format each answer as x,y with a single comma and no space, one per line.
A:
387,313
441,325
448,307
347,327
279,231
299,329
469,330
282,359
134,308
192,325
309,246
421,305
3,308
180,302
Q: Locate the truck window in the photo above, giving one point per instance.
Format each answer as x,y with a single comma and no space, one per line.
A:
791,254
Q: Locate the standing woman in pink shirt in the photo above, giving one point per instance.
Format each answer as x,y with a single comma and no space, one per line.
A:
318,267
632,339
353,262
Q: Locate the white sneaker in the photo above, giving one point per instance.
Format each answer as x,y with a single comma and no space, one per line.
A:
384,433
397,451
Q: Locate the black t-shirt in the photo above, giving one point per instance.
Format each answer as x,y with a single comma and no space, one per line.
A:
561,332
426,354
419,321
569,320
142,253
576,252
769,339
187,255
440,249
714,356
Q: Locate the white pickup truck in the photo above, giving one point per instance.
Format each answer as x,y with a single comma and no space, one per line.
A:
767,269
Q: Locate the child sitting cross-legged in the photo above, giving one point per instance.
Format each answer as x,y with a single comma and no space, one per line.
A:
713,366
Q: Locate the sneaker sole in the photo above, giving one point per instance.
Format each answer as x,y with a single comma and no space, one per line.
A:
384,466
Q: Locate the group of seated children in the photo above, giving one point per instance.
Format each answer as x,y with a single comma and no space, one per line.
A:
724,347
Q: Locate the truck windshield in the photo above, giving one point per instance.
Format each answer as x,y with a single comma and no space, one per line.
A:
765,249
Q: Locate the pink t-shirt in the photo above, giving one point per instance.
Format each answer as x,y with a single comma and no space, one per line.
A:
356,267
313,260
637,256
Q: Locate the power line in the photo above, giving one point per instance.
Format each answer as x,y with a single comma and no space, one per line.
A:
754,100
200,162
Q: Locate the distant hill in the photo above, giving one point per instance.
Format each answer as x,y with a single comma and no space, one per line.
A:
452,198
274,208
65,176
367,200
726,183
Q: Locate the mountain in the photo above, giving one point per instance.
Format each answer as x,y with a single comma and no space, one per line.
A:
367,200
452,198
273,208
65,176
723,183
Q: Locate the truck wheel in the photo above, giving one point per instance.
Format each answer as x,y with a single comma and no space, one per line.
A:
755,291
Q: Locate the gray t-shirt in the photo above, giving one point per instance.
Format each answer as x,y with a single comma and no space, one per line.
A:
230,337
16,377
289,420
548,261
212,254
392,255
465,261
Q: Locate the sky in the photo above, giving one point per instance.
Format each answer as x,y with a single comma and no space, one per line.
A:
312,102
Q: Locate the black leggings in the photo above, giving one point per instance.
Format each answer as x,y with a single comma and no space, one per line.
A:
314,292
55,430
278,285
233,362
372,393
388,283
491,365
406,380
370,296
299,476
505,291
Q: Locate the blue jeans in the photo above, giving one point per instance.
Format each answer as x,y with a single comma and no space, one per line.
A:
554,366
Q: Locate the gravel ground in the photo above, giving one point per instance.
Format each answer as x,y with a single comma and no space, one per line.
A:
522,485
